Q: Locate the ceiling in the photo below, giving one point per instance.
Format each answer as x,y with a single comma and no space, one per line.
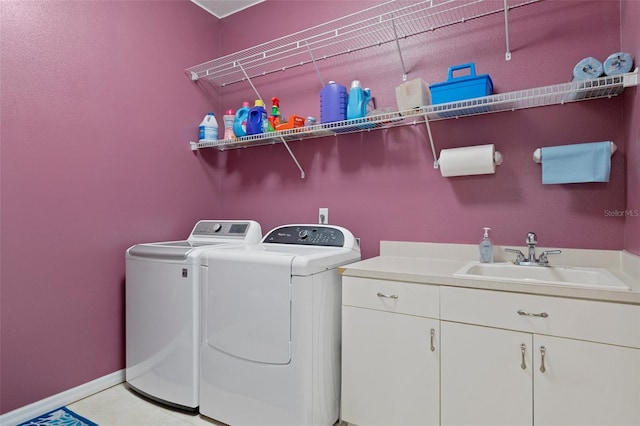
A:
223,8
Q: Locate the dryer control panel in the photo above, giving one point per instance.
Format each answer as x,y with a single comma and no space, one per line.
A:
209,228
307,235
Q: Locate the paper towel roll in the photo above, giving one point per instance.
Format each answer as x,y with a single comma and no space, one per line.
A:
471,160
587,69
618,63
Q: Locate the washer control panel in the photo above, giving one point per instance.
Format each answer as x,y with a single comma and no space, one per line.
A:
307,235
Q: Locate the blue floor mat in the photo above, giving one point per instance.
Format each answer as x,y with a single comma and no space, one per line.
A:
59,417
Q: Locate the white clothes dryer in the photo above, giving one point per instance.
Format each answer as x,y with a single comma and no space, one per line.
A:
162,308
271,328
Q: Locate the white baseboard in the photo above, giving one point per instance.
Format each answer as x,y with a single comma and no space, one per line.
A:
67,397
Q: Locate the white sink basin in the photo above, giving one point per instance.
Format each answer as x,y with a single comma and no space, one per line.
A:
570,276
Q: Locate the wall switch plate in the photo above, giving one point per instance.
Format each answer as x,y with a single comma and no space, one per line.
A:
323,215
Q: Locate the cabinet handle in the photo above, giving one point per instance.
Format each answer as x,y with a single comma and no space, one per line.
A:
523,349
433,335
542,314
543,351
388,296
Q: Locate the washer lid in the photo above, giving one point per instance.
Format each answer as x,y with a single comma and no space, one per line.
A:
304,260
169,250
205,234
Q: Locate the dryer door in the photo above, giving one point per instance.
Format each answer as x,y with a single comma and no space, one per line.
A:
248,305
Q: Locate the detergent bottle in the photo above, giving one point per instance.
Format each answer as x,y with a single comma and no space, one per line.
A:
228,119
368,101
333,103
356,106
209,128
274,118
257,121
240,121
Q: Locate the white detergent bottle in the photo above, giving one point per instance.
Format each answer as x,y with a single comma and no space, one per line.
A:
209,128
486,248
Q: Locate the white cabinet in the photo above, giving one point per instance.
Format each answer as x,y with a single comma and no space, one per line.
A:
585,383
565,381
415,354
390,374
390,359
483,379
497,376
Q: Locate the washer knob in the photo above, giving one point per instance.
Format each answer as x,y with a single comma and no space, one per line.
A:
217,227
303,234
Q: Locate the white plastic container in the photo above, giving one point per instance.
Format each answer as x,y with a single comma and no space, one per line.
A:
209,128
413,94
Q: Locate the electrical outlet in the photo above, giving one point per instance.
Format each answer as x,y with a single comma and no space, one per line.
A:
323,215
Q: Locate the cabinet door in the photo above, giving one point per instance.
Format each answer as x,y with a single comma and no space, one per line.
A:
486,376
585,383
390,374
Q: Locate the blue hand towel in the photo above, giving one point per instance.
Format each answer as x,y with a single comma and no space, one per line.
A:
584,162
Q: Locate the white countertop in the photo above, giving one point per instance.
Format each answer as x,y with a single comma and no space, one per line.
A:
435,263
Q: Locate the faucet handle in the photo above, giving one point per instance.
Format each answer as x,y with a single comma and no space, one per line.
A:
543,255
531,238
520,254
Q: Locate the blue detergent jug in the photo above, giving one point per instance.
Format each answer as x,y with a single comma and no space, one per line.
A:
357,105
240,122
257,121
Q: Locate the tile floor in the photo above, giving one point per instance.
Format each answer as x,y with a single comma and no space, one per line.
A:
118,406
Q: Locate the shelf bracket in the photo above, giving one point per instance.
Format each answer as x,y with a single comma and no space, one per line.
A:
315,64
433,149
249,80
630,79
507,55
395,34
295,160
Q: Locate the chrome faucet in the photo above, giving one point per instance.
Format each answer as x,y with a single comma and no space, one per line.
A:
531,242
531,259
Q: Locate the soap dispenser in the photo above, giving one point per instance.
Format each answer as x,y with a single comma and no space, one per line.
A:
486,248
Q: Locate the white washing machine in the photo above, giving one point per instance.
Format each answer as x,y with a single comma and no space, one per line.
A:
163,310
271,328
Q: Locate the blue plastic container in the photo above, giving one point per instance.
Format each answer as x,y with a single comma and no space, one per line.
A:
257,119
333,103
463,87
356,101
240,122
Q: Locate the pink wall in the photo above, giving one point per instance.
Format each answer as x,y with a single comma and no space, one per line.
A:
631,44
382,184
96,117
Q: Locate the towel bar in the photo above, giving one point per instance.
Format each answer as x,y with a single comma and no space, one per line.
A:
537,154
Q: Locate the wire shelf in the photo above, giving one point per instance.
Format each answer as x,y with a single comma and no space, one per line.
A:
558,94
372,27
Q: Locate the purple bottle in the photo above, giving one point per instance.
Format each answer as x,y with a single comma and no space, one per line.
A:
333,103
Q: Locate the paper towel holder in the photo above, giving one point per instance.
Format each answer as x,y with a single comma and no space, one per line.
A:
498,159
537,154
